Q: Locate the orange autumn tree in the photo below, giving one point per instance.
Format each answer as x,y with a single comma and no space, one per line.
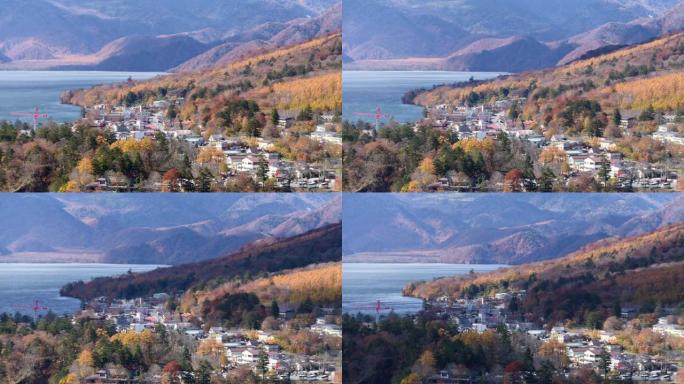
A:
513,180
211,348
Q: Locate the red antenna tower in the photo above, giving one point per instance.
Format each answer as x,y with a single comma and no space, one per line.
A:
35,307
379,307
36,114
377,115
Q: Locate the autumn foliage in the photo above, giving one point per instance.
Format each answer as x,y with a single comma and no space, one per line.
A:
637,271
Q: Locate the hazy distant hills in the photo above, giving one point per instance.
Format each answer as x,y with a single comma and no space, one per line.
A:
495,228
266,37
497,35
156,229
146,34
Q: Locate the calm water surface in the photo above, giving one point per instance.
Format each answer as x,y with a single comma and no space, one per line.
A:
22,284
23,91
364,91
363,284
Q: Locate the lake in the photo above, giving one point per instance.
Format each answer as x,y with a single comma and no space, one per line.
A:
364,91
23,91
363,284
21,284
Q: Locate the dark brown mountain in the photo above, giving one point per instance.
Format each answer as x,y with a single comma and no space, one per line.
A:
317,246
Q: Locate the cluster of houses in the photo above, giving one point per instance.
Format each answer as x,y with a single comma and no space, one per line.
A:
147,121
605,354
606,161
488,121
242,347
241,158
582,348
482,313
666,327
242,351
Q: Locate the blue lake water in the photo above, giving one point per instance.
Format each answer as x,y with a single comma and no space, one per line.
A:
23,91
363,284
364,91
23,283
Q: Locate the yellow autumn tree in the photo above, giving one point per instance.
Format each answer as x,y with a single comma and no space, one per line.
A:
85,358
85,165
69,379
210,155
472,145
322,92
662,92
427,166
70,186
210,348
422,177
144,145
412,378
552,155
131,338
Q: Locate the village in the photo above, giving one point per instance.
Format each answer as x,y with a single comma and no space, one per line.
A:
597,157
231,350
229,158
574,348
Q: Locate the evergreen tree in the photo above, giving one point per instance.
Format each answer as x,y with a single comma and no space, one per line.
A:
306,306
262,364
203,373
647,114
617,117
546,180
262,169
617,309
604,172
275,310
604,363
305,114
528,366
203,181
546,373
171,113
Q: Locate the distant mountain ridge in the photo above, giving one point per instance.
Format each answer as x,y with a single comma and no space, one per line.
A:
497,229
145,36
140,230
492,36
266,37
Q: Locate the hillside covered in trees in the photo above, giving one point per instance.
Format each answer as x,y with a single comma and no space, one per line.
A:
191,131
302,290
305,75
588,95
257,259
641,272
606,298
278,288
611,121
